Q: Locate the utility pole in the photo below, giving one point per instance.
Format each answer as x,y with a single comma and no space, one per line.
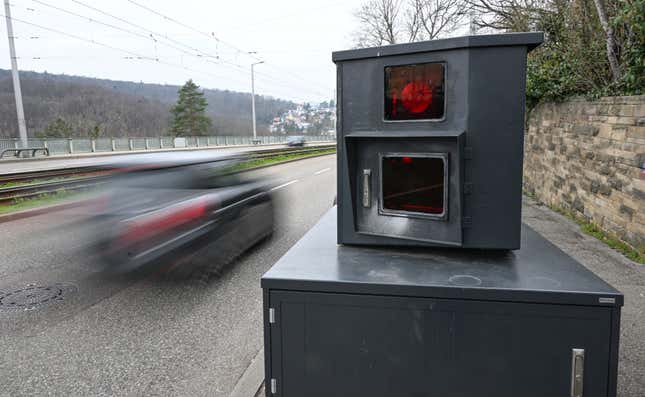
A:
22,127
252,96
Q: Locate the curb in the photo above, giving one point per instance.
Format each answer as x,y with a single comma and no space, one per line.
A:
251,380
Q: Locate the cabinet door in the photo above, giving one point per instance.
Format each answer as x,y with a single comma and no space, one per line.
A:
325,344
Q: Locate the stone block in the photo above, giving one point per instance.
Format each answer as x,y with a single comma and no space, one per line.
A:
605,169
604,131
626,110
626,120
618,133
628,212
615,183
586,129
639,160
638,194
578,205
614,110
636,132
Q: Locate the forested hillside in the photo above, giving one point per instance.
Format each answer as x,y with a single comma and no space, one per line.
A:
121,108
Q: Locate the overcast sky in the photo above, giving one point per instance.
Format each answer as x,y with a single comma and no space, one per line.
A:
294,37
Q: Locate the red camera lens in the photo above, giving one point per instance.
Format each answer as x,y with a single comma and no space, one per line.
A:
416,97
414,92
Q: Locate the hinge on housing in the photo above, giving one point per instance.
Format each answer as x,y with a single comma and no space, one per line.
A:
468,188
271,315
274,386
468,153
467,222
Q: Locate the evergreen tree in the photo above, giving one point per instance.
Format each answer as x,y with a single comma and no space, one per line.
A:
58,128
189,114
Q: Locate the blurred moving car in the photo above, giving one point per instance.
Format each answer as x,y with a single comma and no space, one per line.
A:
296,141
187,213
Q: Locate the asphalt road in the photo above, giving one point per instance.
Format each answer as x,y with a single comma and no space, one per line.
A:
141,335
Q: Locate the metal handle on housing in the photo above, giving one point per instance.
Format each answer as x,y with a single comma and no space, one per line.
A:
367,188
577,371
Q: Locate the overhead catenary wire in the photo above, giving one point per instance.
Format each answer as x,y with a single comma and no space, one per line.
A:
93,20
213,36
207,57
135,55
161,39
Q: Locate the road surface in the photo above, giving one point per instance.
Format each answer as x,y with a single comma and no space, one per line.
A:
141,335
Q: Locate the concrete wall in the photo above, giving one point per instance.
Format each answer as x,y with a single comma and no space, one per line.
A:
588,157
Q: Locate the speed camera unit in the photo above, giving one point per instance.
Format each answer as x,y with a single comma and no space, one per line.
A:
430,142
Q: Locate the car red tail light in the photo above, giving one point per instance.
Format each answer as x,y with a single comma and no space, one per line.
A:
158,222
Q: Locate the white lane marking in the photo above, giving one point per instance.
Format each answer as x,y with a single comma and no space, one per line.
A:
321,171
285,185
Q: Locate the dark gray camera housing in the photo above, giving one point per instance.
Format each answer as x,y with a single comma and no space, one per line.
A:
412,114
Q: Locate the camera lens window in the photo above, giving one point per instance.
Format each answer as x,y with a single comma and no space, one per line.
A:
414,92
414,184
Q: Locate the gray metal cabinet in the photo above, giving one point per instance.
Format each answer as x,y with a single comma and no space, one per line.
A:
349,321
359,345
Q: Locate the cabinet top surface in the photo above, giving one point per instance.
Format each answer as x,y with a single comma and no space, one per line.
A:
539,272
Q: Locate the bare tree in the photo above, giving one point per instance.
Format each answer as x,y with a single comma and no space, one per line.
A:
611,40
435,18
379,23
505,15
392,21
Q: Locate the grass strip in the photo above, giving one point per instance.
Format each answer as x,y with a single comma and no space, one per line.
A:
594,230
39,201
279,158
39,181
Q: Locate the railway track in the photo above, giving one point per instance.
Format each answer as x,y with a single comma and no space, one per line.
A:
83,178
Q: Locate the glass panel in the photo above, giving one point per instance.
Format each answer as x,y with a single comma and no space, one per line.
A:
414,184
414,92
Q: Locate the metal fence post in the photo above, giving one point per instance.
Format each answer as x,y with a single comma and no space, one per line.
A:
113,144
15,143
130,144
147,144
160,142
196,141
70,145
93,145
45,143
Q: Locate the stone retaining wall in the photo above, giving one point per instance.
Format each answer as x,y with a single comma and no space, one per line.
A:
589,157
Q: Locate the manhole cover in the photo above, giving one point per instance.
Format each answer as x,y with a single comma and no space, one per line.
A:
465,280
34,296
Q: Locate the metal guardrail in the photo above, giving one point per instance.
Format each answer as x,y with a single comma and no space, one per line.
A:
64,146
18,152
89,177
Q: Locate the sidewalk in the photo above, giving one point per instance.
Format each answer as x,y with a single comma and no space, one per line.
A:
626,276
